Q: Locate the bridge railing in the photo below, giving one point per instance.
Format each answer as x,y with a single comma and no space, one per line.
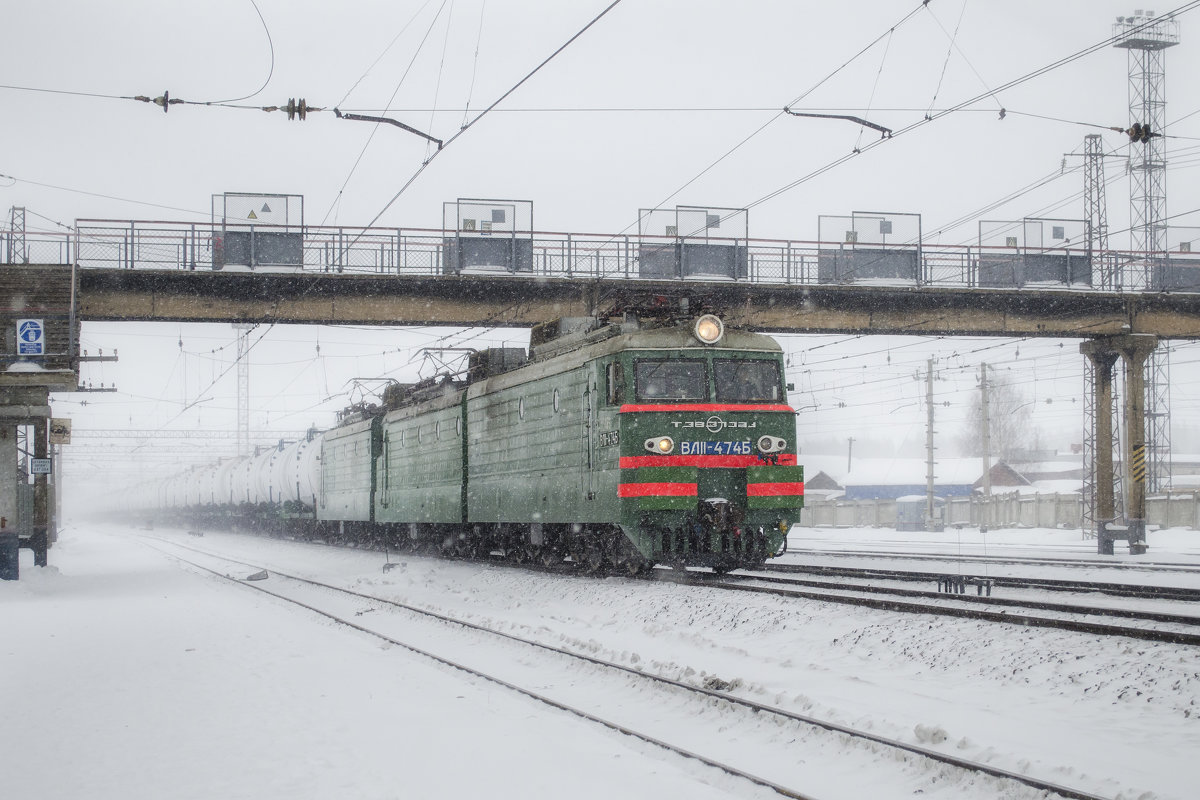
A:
166,245
35,248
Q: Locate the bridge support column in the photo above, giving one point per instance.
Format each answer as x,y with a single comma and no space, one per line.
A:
1102,358
1134,349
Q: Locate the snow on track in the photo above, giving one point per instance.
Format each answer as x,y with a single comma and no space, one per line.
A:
1104,717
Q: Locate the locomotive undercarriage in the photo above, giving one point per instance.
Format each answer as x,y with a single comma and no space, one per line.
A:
594,549
715,536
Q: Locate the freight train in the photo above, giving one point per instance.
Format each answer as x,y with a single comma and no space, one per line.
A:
616,443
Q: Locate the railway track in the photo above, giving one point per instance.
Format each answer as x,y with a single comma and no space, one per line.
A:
1080,563
1169,627
338,604
1131,590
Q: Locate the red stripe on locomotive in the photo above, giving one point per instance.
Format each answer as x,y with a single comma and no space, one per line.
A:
774,489
657,490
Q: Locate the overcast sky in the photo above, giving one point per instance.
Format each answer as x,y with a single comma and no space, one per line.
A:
625,118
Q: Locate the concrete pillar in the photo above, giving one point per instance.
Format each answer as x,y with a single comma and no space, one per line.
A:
1135,349
1102,358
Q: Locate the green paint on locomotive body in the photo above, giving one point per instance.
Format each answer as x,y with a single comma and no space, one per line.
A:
420,463
348,478
528,450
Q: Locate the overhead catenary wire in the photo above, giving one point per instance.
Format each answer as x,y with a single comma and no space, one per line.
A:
781,113
950,48
270,69
485,112
1061,62
474,64
383,53
380,119
437,88
105,196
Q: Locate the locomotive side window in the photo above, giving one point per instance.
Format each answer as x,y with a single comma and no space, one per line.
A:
743,381
671,380
615,374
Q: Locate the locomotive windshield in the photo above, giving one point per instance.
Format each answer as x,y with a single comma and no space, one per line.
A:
671,380
742,381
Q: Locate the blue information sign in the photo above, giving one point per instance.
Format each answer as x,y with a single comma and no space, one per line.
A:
31,337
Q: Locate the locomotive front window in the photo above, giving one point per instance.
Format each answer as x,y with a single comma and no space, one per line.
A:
746,381
671,380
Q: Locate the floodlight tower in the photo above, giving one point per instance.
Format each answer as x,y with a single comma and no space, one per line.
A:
1146,38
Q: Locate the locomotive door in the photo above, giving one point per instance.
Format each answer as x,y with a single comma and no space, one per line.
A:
587,489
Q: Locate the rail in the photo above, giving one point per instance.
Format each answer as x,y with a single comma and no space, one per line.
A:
166,245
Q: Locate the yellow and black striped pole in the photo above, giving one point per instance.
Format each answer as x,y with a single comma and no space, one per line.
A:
1137,464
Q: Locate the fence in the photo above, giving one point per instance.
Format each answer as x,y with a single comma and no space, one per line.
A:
163,245
1174,509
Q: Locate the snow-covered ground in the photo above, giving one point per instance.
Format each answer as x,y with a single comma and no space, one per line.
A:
128,675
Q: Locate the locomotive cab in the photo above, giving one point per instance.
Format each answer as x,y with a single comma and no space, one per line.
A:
708,472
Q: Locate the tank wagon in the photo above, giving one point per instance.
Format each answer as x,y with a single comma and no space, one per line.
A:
619,444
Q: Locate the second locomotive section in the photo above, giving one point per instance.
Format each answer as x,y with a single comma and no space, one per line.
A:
624,445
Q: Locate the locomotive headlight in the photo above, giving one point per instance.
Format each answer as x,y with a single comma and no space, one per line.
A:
661,445
709,329
771,444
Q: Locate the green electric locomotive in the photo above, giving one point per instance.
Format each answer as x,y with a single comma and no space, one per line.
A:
621,444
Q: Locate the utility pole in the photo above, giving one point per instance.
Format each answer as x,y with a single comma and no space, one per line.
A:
986,516
929,508
849,452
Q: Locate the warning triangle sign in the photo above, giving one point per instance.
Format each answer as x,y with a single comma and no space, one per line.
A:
252,216
266,209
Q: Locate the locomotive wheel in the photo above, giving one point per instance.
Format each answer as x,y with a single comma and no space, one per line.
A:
723,566
550,557
633,565
593,559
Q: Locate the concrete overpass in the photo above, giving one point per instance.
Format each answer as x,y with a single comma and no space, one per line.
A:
520,301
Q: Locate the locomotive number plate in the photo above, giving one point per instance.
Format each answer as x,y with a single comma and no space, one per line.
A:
714,448
609,438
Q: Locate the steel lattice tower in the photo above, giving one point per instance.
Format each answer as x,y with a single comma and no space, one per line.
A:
1107,276
243,387
1146,38
18,253
1095,211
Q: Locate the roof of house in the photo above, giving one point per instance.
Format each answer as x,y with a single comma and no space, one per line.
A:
893,471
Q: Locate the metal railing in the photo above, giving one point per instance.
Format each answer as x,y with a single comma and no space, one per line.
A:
164,245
